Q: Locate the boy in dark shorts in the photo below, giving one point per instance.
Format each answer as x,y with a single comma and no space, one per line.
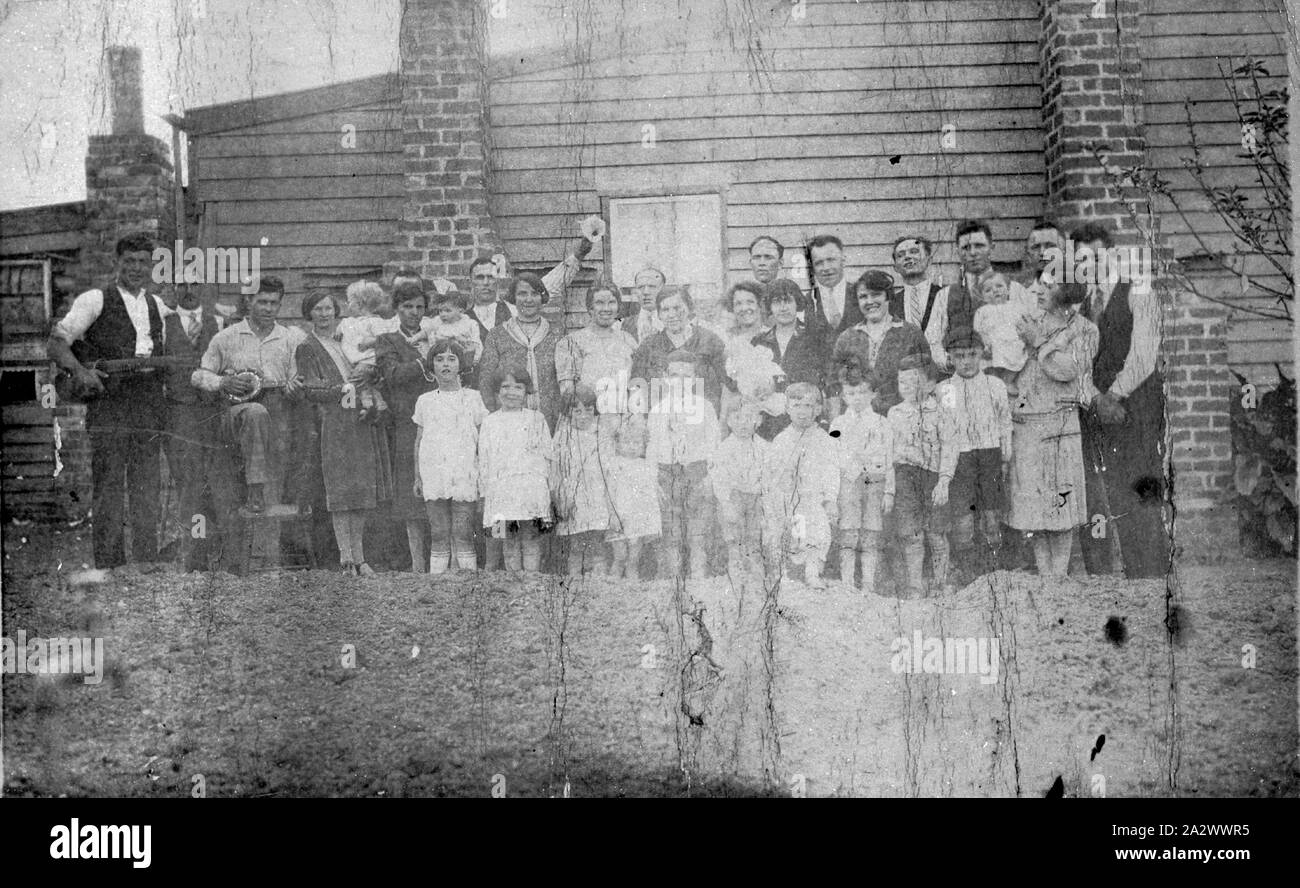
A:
983,412
925,458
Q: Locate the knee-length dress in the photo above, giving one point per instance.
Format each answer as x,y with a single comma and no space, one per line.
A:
353,454
1047,480
585,460
449,424
634,499
404,381
514,465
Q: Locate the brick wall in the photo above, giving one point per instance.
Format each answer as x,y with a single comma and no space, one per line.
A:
1092,94
446,221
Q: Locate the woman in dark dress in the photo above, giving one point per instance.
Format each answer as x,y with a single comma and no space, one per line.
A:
353,453
398,357
799,352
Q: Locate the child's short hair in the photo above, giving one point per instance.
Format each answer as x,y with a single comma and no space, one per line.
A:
963,337
682,356
455,297
853,373
516,372
444,346
738,406
585,395
783,289
919,361
368,297
801,390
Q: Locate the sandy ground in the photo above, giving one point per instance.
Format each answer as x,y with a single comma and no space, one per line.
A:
472,684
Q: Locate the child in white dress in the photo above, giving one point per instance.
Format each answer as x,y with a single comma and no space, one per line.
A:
446,458
585,458
634,491
358,332
515,457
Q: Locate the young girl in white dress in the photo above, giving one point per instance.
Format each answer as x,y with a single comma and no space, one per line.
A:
446,458
634,495
514,465
585,460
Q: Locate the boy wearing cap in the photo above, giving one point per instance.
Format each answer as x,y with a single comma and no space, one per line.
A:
982,409
925,458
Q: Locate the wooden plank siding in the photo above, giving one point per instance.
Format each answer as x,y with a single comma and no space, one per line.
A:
273,173
793,121
1184,44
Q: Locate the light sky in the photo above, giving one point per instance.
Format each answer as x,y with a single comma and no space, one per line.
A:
195,52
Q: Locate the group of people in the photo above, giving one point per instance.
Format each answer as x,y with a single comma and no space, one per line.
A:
883,415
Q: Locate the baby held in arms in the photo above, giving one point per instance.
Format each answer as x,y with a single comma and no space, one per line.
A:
995,322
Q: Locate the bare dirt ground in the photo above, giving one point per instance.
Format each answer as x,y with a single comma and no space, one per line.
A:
472,684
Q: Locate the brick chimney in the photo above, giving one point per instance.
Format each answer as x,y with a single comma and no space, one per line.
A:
1093,92
128,174
446,221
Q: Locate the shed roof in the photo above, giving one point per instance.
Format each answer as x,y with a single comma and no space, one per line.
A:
381,89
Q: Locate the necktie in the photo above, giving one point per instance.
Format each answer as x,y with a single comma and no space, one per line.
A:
190,321
832,311
913,311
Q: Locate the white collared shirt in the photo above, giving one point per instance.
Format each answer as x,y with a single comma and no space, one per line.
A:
488,313
88,306
914,299
833,301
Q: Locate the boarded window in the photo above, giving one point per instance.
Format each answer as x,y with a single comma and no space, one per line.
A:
681,236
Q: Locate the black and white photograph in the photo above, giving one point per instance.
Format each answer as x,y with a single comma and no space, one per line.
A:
648,398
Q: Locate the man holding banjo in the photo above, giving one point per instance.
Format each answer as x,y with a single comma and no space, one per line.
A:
251,363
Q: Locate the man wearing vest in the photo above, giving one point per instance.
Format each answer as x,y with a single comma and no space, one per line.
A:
920,301
974,251
192,422
1124,431
832,309
123,411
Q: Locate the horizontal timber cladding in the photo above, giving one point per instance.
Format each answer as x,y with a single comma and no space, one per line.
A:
315,179
831,121
1184,45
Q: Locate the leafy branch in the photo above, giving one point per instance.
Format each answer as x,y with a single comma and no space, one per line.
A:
1259,220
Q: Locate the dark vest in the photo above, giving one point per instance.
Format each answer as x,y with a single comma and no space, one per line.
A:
112,336
176,380
503,315
962,305
1115,336
898,305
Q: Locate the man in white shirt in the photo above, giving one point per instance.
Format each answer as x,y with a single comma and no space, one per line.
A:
123,412
832,310
256,431
1124,431
919,300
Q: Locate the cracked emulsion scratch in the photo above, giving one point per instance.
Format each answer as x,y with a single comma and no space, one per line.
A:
559,591
1004,628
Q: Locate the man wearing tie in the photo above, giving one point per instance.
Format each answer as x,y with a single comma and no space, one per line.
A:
1124,431
830,311
920,301
974,251
192,422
